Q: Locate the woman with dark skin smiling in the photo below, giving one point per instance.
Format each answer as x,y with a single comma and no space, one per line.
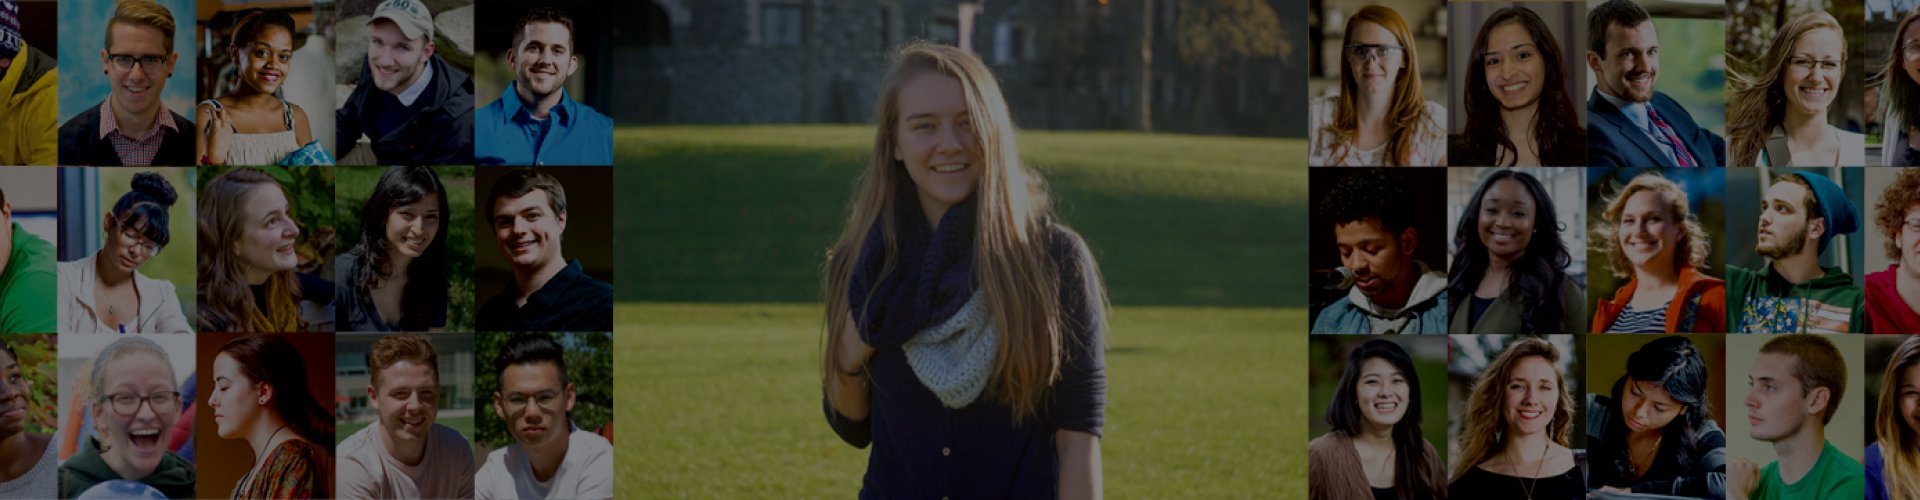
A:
1655,433
27,460
1509,267
251,125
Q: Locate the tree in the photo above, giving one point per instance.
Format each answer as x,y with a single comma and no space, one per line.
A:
1214,32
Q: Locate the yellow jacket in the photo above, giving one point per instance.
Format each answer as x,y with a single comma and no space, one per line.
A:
29,127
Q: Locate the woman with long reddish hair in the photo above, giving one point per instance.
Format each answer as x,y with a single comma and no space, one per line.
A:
1380,117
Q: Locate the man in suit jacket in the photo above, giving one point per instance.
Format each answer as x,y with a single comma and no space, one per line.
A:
1628,123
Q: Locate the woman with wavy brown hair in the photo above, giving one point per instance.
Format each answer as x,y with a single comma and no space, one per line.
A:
1900,96
1381,117
1652,238
1778,108
960,311
1514,442
247,281
1519,112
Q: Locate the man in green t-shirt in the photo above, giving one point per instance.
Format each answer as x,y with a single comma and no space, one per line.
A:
29,278
1796,379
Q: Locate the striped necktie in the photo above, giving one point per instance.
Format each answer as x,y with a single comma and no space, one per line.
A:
1672,140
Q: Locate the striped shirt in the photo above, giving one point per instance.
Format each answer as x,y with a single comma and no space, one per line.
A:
135,151
1640,321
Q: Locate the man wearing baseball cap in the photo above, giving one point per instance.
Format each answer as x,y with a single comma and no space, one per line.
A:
1800,215
27,96
418,110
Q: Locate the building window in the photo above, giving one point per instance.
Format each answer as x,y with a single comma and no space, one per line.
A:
780,25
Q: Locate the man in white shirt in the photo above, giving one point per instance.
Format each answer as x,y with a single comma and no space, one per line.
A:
405,454
549,458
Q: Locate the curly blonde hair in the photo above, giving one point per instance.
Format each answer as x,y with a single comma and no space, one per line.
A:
1485,432
1693,236
1891,211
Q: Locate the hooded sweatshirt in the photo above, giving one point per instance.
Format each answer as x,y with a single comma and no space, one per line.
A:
1765,302
173,476
1425,312
1886,311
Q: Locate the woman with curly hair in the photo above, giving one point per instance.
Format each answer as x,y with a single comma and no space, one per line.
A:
1651,236
1518,109
1381,117
1893,295
1519,416
1778,107
1509,271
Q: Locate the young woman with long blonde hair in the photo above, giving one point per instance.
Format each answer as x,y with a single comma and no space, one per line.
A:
1381,117
1778,107
1893,461
964,322
1900,99
1519,417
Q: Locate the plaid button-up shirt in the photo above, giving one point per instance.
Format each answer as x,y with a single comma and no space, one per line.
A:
135,151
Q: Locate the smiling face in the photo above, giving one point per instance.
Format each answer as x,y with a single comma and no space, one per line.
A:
1647,232
1909,37
1811,88
13,397
1382,393
1647,406
1910,397
1515,71
264,61
1532,396
138,441
544,59
1376,76
527,229
136,90
407,395
531,422
1377,257
1778,406
1506,218
1632,62
235,400
934,140
1783,222
395,60
412,227
267,234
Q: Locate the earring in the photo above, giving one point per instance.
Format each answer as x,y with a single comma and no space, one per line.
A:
263,401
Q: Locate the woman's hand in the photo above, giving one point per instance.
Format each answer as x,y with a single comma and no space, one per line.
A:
219,135
854,351
847,388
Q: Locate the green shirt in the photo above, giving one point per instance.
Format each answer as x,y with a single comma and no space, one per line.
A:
1834,475
28,285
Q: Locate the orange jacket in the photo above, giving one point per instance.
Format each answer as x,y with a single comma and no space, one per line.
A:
1709,317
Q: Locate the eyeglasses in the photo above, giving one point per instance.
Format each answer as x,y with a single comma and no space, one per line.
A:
1365,53
132,238
1910,51
1808,63
1913,225
126,404
149,64
517,403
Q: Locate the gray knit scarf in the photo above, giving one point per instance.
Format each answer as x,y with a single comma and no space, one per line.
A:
954,358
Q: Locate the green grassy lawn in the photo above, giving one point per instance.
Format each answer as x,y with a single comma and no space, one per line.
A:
746,213
723,401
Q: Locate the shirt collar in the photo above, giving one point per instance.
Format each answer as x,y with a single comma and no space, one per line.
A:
556,287
412,93
516,110
1636,111
108,123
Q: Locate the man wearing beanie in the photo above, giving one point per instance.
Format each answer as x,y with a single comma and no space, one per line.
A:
1801,214
27,97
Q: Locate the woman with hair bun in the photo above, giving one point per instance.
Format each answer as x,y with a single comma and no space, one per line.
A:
105,292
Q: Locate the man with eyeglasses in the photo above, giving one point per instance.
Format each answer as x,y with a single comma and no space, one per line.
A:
549,457
132,126
1628,122
405,454
1893,295
412,106
29,277
135,401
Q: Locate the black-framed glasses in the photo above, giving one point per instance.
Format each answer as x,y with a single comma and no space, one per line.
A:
1365,53
149,64
546,400
126,404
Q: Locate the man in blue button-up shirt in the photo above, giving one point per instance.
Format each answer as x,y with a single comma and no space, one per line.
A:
534,122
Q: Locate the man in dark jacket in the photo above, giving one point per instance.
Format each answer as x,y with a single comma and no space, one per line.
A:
133,126
416,109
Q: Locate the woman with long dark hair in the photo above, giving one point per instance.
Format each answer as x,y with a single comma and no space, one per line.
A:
105,292
1655,433
395,278
1509,272
260,394
1375,450
1519,112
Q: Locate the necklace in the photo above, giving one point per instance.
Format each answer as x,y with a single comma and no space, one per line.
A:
261,455
1633,470
1526,487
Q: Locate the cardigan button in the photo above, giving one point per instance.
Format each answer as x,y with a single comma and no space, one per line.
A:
946,452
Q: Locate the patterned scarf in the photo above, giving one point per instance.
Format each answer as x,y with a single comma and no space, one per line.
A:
928,306
281,313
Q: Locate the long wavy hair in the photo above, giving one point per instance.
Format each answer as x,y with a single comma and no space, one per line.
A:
1756,101
1535,277
1899,442
425,297
1408,104
1694,243
1901,95
1674,364
1485,432
274,361
1556,122
226,302
1013,266
1411,468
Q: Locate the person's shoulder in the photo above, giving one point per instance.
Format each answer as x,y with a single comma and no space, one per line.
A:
447,437
1326,445
584,443
87,119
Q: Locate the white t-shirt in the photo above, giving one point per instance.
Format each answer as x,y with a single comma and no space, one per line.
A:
366,470
586,472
